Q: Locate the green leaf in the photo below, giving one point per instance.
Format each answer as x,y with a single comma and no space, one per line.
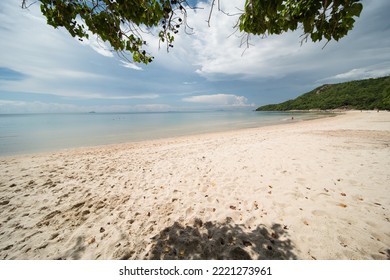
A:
355,9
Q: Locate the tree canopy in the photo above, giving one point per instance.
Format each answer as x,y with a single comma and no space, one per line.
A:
121,23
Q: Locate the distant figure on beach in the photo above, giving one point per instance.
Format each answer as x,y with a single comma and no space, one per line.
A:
292,118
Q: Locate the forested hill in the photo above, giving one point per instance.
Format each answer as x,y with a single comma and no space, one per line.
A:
367,94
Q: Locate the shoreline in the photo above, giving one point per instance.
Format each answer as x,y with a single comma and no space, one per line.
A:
168,138
58,144
312,189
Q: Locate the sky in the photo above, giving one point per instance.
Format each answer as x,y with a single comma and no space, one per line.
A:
45,70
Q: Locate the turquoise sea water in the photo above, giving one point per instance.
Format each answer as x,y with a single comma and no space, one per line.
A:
30,133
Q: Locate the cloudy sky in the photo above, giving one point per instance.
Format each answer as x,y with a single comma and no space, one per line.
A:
43,69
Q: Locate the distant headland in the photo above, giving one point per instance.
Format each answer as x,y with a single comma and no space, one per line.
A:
368,94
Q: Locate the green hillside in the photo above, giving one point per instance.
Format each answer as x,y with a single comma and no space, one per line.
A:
367,94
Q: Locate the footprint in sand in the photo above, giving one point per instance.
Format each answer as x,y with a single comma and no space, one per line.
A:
5,202
47,219
319,213
189,211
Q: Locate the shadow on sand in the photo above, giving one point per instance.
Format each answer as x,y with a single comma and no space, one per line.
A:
229,241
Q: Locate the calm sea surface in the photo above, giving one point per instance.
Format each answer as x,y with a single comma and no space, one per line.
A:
30,133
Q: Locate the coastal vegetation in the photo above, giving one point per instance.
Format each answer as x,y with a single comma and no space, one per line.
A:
121,24
368,94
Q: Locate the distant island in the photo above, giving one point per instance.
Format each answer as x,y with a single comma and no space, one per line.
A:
369,94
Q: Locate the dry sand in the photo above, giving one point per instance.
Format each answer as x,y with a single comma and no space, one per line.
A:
306,190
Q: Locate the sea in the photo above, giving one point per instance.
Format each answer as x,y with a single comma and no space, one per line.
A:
33,133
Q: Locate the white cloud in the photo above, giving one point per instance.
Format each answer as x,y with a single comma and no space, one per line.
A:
11,106
60,73
37,49
152,108
97,45
100,49
215,54
52,62
373,71
54,81
220,100
127,97
130,65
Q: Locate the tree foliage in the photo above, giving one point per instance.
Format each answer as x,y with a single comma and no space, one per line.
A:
369,94
329,19
122,23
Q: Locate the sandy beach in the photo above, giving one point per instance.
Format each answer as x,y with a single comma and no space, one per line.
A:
307,190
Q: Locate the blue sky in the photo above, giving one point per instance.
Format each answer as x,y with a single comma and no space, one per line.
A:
43,69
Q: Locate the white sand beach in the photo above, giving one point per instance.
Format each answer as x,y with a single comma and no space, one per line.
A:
308,190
